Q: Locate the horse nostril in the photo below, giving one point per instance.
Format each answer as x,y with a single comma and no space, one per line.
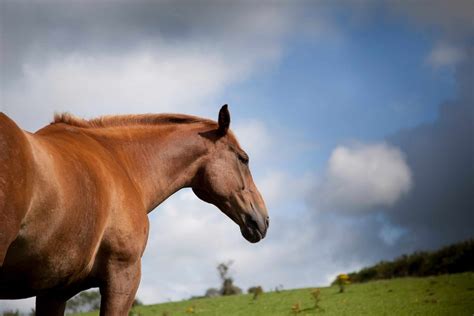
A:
267,221
252,222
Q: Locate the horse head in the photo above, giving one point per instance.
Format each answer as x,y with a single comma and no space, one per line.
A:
225,180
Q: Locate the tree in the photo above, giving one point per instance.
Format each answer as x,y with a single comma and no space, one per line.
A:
228,288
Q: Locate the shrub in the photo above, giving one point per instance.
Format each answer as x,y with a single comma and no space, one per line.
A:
455,258
342,281
256,291
212,292
228,288
316,296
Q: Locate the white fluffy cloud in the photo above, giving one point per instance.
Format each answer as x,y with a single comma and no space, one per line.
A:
362,177
139,82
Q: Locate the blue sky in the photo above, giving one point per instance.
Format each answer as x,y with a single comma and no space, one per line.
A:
370,82
367,83
357,116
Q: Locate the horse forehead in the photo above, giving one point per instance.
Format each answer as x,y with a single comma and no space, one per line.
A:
233,142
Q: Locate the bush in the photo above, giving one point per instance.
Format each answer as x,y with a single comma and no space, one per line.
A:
455,258
256,291
212,292
228,288
342,280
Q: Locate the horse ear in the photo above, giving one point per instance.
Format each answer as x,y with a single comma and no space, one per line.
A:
224,120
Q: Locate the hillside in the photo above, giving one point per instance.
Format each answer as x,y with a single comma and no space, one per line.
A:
437,295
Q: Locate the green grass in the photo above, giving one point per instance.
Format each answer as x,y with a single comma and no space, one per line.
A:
441,295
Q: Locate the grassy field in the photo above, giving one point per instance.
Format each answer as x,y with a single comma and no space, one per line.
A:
442,295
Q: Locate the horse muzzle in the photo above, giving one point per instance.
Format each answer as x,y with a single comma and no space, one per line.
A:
254,227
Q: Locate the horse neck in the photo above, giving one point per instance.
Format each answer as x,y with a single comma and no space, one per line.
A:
159,160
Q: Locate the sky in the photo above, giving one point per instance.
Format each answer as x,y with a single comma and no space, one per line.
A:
358,117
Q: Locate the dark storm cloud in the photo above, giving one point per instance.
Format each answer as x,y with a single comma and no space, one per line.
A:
453,18
440,208
42,30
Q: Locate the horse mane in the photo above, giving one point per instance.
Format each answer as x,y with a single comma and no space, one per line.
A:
128,120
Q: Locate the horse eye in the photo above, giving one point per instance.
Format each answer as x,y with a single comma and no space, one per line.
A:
244,160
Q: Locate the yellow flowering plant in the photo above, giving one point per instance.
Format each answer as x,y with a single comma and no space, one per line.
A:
342,280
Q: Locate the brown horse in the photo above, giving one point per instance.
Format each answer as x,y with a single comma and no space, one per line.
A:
74,199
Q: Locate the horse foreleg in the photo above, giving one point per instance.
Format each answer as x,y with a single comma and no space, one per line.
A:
119,289
50,306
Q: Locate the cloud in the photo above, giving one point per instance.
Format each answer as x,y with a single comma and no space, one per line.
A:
440,208
362,177
140,82
445,55
39,32
452,19
435,210
350,228
118,57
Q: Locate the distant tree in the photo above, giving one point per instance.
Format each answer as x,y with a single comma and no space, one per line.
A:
11,313
223,269
228,288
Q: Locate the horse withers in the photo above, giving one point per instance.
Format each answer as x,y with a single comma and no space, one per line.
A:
75,195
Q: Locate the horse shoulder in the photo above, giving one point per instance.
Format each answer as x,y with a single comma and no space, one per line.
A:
126,234
15,180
